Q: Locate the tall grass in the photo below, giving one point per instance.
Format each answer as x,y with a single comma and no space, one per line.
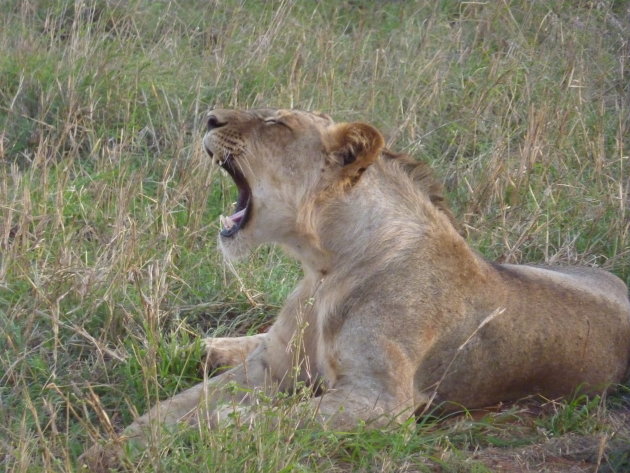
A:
108,206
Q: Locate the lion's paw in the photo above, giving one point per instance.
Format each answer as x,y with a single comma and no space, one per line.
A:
102,458
220,354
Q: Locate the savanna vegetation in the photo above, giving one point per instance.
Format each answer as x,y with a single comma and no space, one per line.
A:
109,273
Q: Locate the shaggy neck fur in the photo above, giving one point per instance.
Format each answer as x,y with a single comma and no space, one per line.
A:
348,224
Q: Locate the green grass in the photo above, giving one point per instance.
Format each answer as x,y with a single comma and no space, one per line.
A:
108,206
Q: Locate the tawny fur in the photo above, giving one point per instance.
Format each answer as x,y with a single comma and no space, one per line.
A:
395,311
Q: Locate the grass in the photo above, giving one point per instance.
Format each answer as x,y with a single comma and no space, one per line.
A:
108,206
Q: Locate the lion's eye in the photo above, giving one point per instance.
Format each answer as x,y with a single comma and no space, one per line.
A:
275,121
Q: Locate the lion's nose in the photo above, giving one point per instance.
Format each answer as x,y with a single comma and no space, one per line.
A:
214,121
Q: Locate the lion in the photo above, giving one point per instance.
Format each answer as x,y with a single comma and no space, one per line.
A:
395,312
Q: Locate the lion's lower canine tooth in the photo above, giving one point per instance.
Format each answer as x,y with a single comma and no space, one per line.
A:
226,222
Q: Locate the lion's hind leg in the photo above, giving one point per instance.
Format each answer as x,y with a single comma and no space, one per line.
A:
345,408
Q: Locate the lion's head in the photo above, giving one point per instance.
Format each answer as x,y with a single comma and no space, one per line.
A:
281,161
286,164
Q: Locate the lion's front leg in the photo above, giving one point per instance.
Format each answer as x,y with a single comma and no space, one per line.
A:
228,352
203,404
183,408
373,380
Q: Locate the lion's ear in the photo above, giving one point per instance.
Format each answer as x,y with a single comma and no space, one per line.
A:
353,147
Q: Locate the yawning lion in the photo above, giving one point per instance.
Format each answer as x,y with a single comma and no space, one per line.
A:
395,311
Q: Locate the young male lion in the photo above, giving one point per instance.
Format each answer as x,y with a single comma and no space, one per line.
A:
395,311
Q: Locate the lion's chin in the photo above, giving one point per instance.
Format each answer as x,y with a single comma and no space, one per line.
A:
234,248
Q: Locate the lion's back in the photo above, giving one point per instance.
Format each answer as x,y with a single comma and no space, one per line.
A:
574,279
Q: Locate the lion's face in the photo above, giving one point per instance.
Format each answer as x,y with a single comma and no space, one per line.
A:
281,161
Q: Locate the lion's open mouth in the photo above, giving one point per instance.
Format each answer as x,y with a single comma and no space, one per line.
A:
230,225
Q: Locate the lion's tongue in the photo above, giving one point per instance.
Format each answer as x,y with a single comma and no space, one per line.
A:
229,222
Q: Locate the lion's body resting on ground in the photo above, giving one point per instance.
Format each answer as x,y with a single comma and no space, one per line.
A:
395,312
